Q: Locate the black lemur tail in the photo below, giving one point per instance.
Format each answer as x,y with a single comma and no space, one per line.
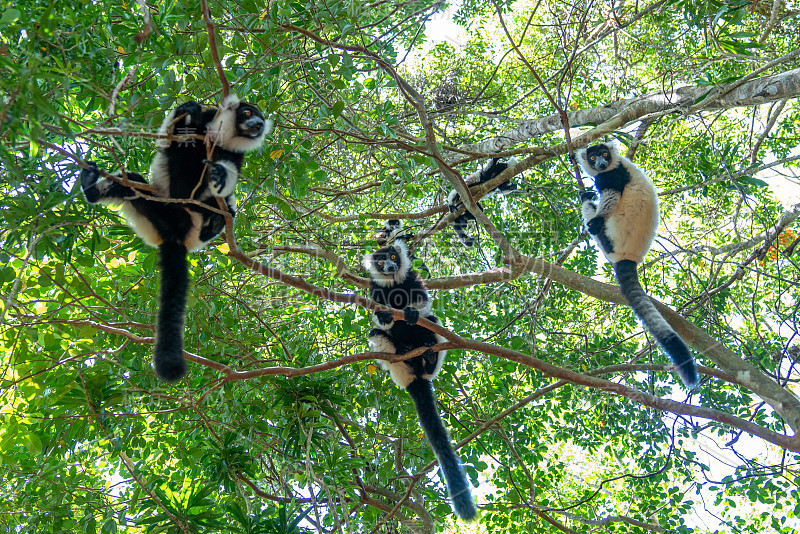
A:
641,304
421,392
168,358
460,228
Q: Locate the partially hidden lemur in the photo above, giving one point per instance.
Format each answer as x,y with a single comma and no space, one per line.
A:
395,284
624,225
180,170
482,175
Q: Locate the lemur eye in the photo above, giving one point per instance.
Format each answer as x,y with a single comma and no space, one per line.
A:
380,263
247,113
394,257
591,158
605,155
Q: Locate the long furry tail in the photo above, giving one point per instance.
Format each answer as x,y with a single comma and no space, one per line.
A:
460,228
168,359
421,392
632,290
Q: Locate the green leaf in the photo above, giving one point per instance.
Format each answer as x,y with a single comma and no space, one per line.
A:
10,15
338,107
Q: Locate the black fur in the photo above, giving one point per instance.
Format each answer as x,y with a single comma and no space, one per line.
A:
494,168
180,170
89,179
188,158
614,180
421,392
400,296
168,354
643,307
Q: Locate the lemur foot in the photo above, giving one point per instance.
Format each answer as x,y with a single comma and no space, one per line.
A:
595,225
384,317
190,108
218,176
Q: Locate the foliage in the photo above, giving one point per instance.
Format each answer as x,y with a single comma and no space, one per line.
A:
92,442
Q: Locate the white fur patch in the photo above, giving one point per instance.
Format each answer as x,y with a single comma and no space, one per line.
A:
366,261
381,344
159,175
588,210
399,371
442,353
382,280
453,198
475,177
164,129
247,144
192,241
223,128
423,306
141,225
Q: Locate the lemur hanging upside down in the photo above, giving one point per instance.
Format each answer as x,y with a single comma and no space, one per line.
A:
483,175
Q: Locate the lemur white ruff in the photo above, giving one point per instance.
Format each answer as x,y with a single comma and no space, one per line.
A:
492,169
180,170
393,230
624,225
395,284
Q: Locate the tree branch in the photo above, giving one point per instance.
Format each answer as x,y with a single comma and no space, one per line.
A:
761,90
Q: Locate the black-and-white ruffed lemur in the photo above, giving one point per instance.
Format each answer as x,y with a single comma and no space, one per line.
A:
392,230
395,284
180,170
482,175
624,225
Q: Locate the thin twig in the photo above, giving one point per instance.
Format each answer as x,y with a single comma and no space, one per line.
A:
212,46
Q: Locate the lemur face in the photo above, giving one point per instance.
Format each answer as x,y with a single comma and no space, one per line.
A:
386,261
598,157
249,121
388,266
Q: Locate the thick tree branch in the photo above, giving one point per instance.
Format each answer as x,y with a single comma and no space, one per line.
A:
759,91
783,401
